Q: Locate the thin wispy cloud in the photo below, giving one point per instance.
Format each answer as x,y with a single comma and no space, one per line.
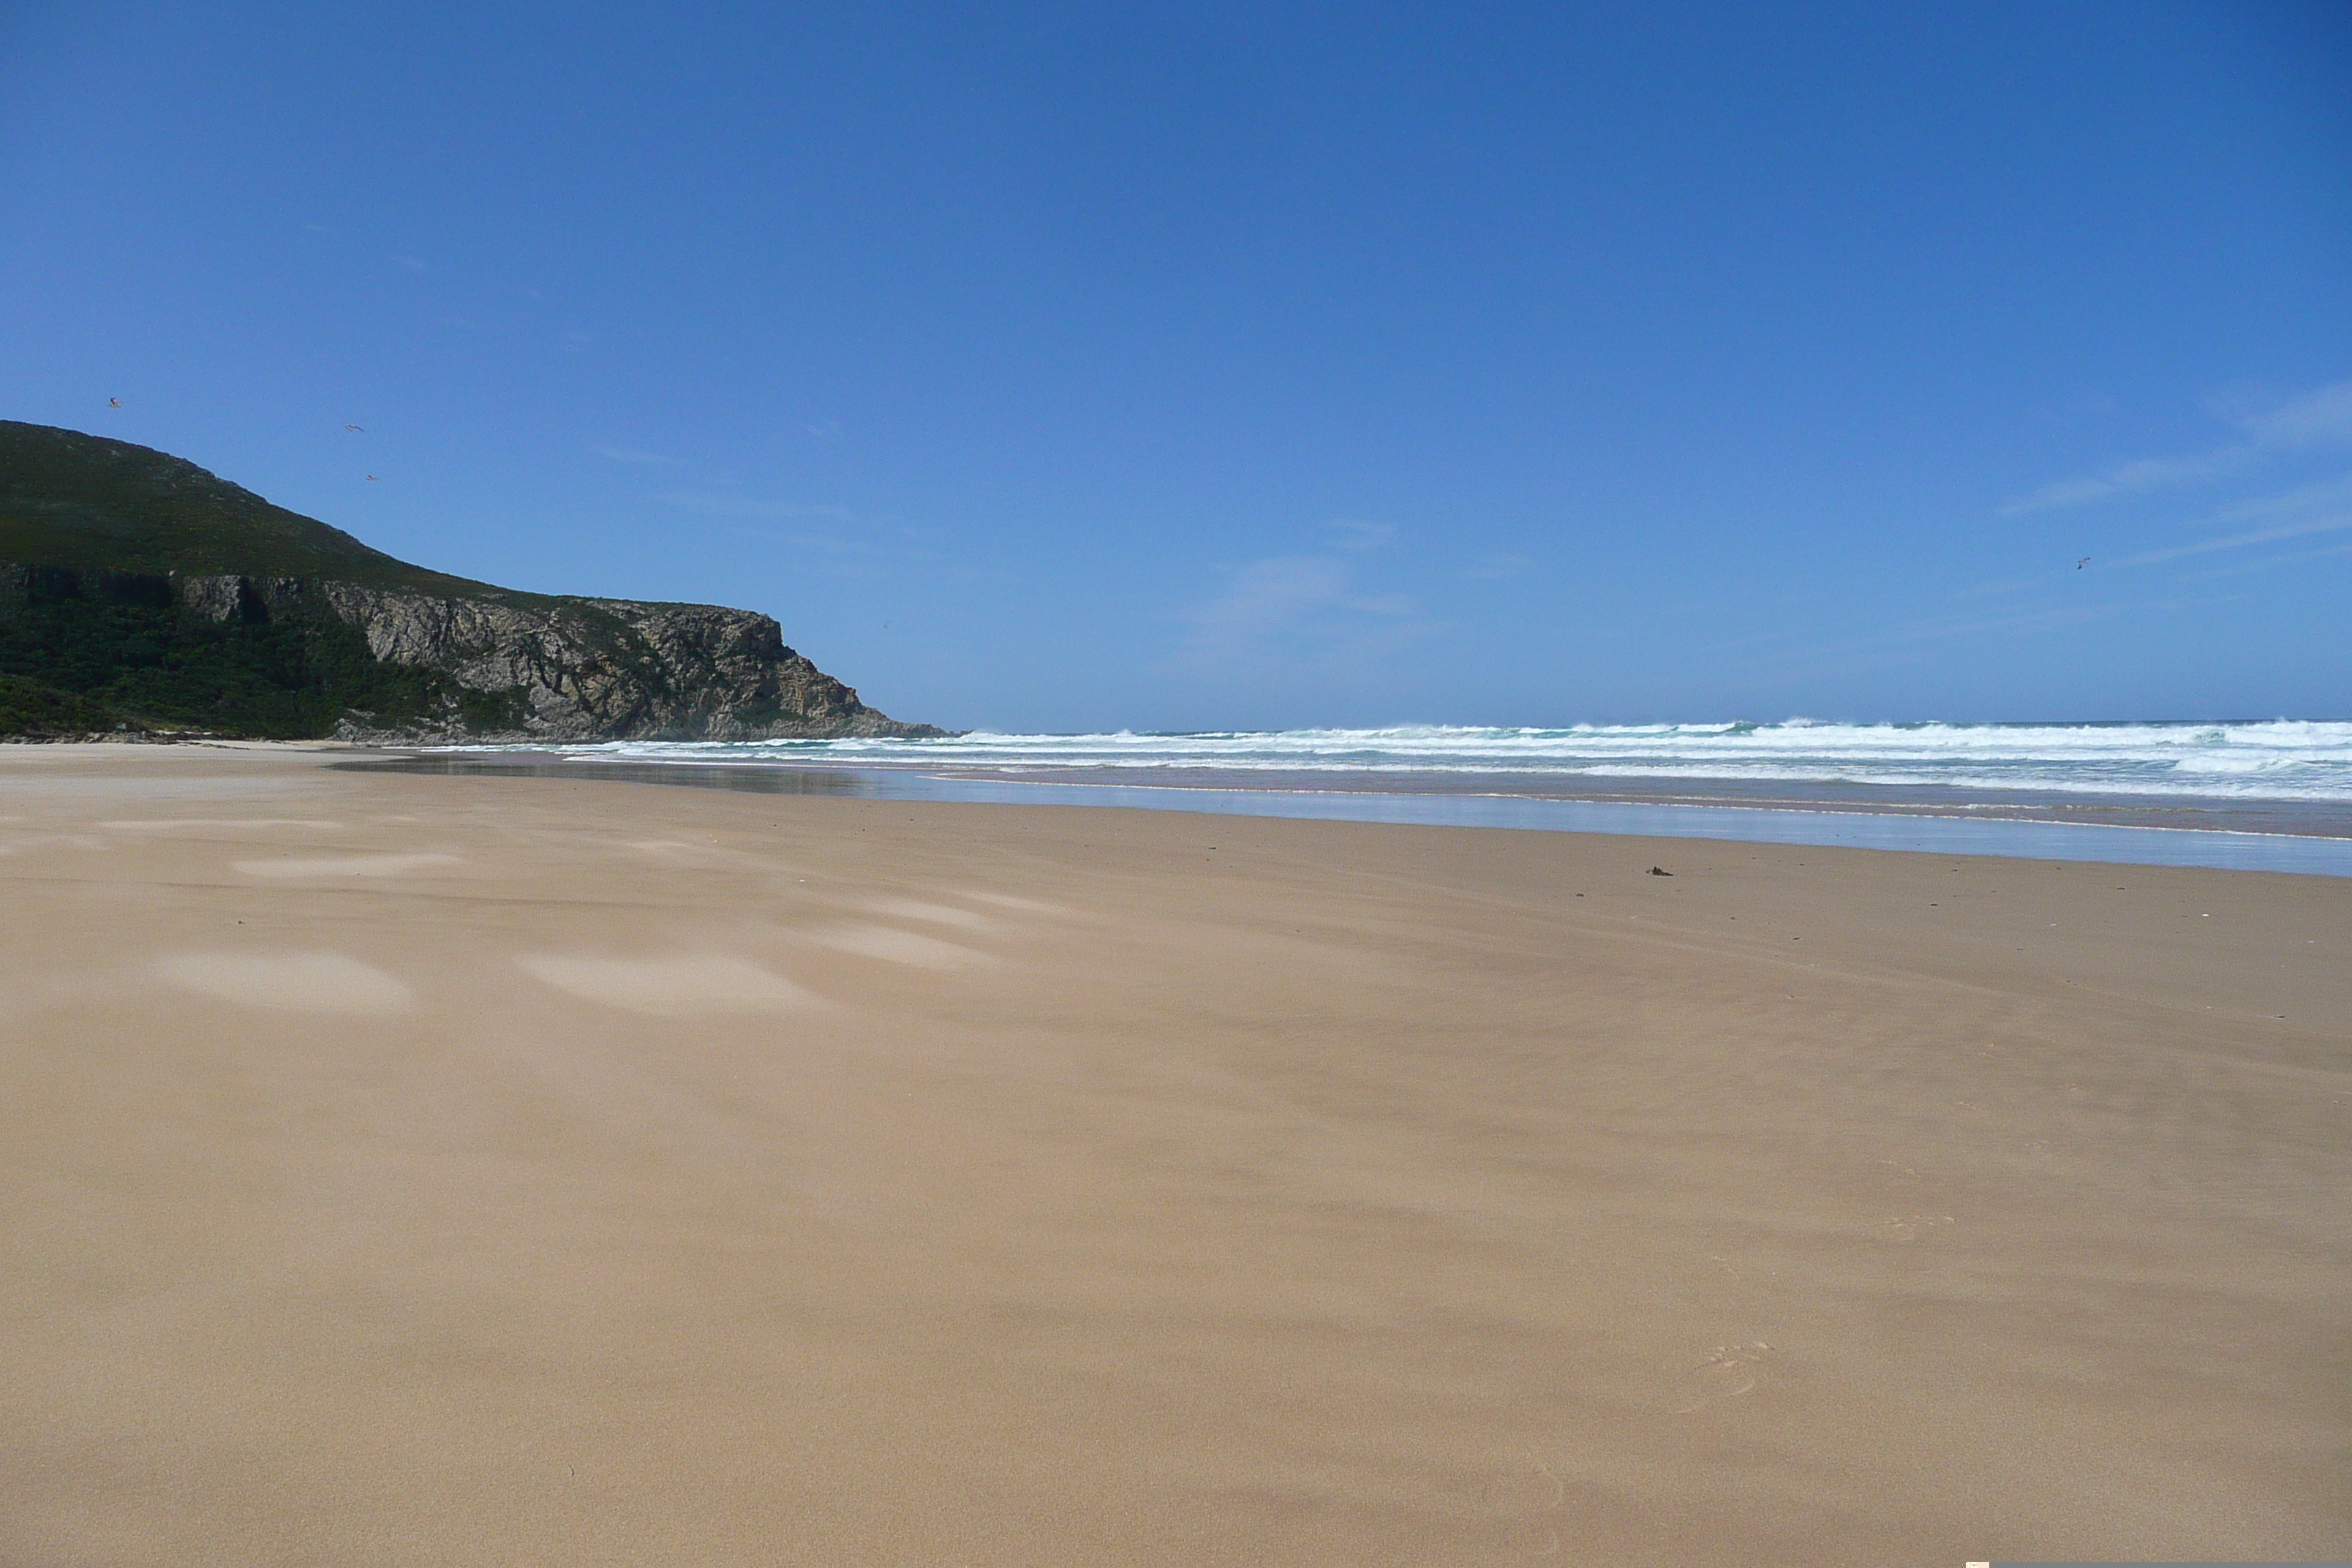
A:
1496,568
2128,478
832,555
2292,558
829,544
854,552
2320,495
2238,541
2320,418
2323,507
632,455
1347,535
1847,653
1296,616
2008,586
715,504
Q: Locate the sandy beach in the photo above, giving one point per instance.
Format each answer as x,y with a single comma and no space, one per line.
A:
421,1171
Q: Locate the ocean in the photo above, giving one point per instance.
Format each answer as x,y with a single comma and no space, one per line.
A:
2278,760
2261,794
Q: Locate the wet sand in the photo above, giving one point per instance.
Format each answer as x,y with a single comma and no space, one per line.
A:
2326,819
2210,813
450,1170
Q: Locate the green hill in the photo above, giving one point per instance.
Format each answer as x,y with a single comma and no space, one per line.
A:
86,503
94,536
140,593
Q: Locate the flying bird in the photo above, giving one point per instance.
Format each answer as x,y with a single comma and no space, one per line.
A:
2085,561
373,480
114,403
354,427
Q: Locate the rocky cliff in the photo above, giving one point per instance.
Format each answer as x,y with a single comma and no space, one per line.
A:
139,587
567,670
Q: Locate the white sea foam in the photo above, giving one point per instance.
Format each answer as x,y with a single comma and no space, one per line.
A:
2279,759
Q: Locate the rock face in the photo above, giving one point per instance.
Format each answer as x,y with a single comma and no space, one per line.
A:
569,669
166,600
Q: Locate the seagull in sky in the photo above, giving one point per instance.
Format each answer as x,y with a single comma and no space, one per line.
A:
373,480
2085,561
114,403
354,427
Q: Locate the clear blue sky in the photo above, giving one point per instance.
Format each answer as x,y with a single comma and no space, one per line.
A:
1204,366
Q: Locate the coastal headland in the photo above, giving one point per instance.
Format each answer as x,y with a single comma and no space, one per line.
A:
458,1169
142,594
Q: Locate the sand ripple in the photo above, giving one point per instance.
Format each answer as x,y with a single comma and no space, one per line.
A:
938,914
302,982
894,946
694,983
343,866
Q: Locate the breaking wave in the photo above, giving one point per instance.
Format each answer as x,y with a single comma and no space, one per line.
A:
2277,759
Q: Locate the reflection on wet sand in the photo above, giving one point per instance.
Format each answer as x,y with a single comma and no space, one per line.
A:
2314,839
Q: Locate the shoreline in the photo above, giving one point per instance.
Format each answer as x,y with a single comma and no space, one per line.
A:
2309,818
1907,827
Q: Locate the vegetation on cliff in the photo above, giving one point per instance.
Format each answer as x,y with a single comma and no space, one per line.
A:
94,504
98,650
140,593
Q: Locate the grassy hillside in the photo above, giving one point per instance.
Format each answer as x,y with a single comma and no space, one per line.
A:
84,502
99,629
107,650
93,637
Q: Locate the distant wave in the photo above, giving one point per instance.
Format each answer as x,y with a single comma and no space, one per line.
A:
2277,759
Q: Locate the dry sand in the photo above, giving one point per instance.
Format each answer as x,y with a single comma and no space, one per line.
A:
425,1171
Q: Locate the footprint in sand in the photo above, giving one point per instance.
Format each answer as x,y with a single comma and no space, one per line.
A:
1728,1372
691,982
343,866
295,982
1912,1226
